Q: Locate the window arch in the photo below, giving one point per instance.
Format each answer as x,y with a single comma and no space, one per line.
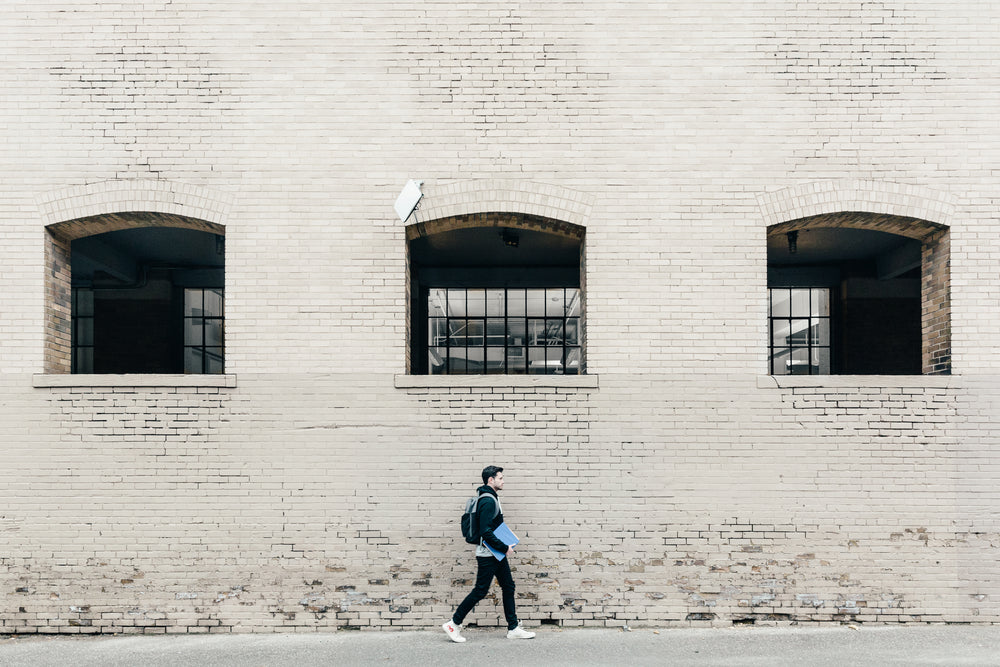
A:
859,293
495,293
134,292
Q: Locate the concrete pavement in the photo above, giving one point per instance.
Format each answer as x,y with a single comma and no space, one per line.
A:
820,646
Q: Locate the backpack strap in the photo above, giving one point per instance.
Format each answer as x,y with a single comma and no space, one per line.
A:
496,502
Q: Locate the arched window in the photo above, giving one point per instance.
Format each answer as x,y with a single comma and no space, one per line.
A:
495,294
144,294
858,293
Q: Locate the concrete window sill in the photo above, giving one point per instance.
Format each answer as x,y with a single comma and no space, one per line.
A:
849,381
501,381
137,380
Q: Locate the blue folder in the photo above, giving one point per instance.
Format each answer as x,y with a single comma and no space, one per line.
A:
505,535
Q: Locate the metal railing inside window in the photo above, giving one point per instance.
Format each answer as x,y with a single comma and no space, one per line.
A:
503,331
203,331
800,331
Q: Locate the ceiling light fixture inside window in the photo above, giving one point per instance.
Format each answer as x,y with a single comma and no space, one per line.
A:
793,242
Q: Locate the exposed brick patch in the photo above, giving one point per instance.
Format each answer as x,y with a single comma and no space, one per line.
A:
113,222
935,298
913,228
505,220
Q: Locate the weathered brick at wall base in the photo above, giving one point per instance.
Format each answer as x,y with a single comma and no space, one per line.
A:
175,515
316,487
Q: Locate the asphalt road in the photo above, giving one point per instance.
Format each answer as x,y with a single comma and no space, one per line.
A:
819,646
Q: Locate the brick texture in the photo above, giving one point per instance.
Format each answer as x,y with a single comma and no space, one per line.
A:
676,484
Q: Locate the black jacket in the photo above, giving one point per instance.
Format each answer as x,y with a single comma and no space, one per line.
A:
487,522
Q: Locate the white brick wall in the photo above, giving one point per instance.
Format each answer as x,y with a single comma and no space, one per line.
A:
309,491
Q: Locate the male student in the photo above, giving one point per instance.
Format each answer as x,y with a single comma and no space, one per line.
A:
489,566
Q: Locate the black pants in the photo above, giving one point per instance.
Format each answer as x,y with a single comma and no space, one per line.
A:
488,568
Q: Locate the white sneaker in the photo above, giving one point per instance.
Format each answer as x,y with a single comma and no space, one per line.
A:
519,633
455,632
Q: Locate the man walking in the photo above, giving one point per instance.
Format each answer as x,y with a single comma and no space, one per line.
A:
489,566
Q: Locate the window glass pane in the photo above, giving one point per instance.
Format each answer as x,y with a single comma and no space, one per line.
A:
475,360
555,302
820,303
84,303
516,360
554,359
437,358
437,300
781,303
573,303
536,360
437,331
456,332
193,303
536,332
495,303
213,303
572,364
780,362
456,302
536,302
800,303
83,360
821,360
800,333
516,303
213,360
573,331
476,335
809,331
820,331
496,331
495,359
476,302
84,332
456,360
800,362
553,332
213,332
192,360
516,332
478,330
194,331
781,333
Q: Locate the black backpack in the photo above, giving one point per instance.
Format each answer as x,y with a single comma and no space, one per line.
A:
470,518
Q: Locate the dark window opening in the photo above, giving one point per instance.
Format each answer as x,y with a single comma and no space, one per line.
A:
497,299
148,300
844,301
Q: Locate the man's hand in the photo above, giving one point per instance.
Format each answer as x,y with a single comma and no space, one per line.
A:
510,551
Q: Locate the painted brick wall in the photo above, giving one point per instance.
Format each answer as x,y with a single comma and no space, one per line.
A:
316,487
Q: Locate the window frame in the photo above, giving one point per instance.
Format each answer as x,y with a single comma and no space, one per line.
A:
513,320
811,346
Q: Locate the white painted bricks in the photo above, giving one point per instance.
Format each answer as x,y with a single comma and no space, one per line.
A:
677,485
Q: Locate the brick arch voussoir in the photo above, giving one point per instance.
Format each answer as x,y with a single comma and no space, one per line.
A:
71,230
495,219
914,228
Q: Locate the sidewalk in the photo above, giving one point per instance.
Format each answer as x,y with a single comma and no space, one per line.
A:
840,645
